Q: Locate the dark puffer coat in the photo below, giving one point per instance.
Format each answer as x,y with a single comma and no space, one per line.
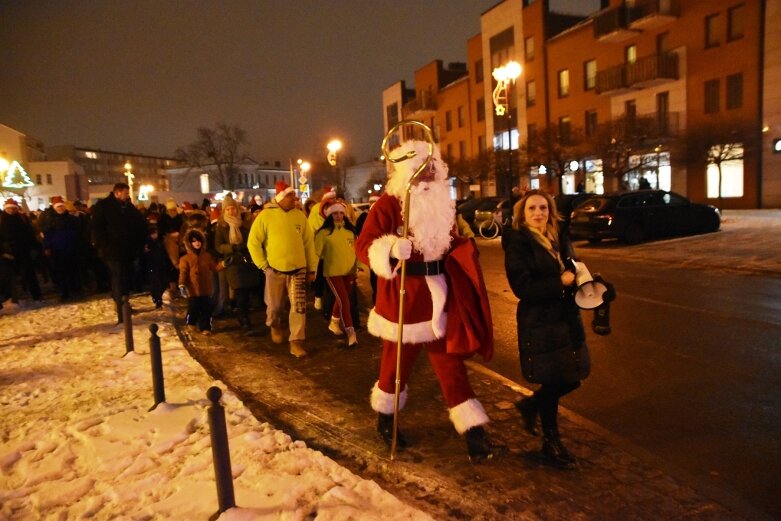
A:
195,268
240,271
551,338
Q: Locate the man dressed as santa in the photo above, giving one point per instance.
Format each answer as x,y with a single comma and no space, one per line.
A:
446,310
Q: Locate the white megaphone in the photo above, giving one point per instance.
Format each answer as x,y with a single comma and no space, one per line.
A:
590,293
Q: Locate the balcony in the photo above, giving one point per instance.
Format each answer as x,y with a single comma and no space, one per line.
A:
419,108
652,14
612,26
645,72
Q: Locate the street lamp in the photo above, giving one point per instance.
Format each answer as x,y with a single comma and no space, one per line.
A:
130,176
333,147
303,181
505,76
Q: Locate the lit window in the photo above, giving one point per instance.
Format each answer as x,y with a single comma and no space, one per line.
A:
531,93
563,83
529,48
731,171
630,54
589,74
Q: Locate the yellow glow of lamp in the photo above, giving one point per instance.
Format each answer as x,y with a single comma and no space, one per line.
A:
333,147
504,75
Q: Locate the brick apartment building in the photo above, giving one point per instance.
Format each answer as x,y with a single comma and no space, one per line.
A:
676,93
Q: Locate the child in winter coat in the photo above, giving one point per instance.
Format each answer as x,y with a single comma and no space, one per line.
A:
158,265
195,280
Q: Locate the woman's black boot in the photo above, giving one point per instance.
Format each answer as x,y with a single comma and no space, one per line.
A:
555,453
480,447
385,428
529,412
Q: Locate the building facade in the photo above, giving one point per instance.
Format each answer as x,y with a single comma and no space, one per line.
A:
672,94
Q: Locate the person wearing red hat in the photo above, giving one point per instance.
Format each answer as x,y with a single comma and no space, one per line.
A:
281,244
19,247
446,302
61,243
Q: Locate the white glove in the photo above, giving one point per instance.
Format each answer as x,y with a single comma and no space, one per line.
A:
401,249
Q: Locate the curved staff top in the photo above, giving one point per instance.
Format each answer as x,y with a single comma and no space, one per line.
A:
405,230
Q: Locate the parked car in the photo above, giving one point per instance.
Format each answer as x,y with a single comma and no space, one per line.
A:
468,208
639,215
485,213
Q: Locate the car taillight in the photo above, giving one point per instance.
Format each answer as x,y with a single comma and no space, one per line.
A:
605,217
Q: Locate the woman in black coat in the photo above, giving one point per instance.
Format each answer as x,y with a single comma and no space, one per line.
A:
551,338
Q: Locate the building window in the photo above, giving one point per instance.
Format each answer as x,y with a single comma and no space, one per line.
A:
531,93
392,113
48,179
481,144
662,42
479,71
563,83
461,150
712,24
734,91
630,54
38,179
564,129
731,155
663,112
528,47
590,75
711,96
448,121
591,123
531,132
480,109
461,117
735,23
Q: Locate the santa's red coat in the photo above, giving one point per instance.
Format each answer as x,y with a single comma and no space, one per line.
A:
452,305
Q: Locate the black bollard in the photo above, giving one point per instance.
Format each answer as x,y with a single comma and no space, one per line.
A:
220,450
157,366
127,320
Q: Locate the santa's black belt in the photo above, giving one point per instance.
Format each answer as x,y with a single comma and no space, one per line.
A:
425,268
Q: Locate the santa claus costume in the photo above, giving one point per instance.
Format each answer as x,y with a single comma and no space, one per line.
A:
443,279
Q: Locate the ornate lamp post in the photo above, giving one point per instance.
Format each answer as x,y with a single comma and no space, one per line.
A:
505,76
333,147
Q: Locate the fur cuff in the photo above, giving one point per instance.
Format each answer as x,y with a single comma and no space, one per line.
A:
383,402
468,414
379,256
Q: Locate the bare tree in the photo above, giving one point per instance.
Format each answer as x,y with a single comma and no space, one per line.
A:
555,147
216,151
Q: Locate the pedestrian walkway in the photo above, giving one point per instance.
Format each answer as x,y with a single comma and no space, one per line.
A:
323,400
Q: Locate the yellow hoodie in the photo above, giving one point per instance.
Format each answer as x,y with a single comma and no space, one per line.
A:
337,249
282,240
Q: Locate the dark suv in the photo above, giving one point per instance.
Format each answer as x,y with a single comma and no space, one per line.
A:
639,215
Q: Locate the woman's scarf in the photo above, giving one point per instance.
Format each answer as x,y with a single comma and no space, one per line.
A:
547,241
234,223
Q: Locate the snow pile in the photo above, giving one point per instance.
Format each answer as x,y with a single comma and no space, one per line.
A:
78,440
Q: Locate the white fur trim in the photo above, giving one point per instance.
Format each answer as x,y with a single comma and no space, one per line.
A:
384,402
413,333
437,285
468,414
281,195
336,207
379,256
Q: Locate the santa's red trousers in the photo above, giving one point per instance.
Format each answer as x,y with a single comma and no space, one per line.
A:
449,368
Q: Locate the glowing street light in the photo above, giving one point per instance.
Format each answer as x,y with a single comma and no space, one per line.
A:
130,176
333,147
505,76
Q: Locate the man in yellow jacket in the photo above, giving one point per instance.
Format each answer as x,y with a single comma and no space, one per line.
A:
281,244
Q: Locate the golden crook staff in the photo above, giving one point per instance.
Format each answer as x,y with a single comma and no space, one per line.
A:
405,229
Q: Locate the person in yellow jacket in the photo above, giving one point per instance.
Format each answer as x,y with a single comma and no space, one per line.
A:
281,244
335,245
316,219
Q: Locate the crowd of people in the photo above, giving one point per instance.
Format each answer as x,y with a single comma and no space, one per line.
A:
227,259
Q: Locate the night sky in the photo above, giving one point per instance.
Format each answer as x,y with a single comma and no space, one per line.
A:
141,76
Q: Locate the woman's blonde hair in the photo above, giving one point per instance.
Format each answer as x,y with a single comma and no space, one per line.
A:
553,214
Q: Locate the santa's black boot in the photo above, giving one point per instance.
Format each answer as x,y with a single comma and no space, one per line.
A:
480,447
385,428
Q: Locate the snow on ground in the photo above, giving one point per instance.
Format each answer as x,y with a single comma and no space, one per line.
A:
77,440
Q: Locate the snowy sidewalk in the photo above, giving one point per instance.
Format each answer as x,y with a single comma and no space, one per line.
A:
78,440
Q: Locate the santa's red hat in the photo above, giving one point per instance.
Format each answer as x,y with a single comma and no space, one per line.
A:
282,190
57,200
329,194
10,203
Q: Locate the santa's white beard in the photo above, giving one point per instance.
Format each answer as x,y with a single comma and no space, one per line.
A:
431,218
